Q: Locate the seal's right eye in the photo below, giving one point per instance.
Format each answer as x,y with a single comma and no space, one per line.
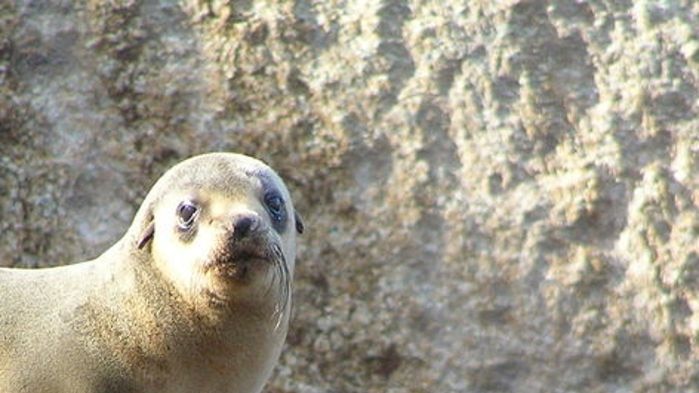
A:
186,213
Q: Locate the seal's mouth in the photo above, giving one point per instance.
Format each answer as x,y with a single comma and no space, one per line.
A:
237,260
246,254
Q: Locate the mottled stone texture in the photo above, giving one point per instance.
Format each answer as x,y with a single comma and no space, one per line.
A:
499,196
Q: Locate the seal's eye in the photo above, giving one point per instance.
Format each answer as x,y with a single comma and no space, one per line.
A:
275,206
186,213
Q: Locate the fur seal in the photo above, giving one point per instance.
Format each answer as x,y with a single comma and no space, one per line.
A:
195,297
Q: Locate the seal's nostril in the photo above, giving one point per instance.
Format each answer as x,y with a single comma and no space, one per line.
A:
244,225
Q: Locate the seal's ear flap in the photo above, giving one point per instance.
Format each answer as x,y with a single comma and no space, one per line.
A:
299,222
146,235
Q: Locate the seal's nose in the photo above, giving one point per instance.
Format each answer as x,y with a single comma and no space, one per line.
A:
244,225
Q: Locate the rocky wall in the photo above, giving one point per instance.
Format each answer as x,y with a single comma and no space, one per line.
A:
499,196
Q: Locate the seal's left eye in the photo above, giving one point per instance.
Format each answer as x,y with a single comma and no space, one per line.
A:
275,206
186,213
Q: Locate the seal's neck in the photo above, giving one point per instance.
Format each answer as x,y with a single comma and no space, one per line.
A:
164,329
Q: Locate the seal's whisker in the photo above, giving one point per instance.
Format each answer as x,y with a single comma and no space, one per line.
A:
279,309
271,256
282,271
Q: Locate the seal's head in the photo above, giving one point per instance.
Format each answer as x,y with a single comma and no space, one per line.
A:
222,228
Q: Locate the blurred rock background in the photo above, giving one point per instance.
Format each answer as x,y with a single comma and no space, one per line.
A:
499,196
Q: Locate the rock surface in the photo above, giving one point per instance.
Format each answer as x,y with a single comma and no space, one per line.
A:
499,196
